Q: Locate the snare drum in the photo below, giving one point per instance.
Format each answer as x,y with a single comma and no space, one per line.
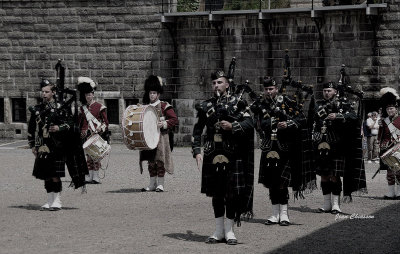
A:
139,127
391,157
96,147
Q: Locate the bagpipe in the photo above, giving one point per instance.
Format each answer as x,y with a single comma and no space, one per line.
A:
285,106
302,92
62,92
342,103
232,109
344,88
75,156
63,104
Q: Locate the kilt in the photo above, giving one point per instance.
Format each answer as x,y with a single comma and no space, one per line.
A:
228,180
275,176
334,167
53,165
331,164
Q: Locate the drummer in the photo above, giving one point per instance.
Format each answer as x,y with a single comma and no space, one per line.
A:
92,119
388,136
159,159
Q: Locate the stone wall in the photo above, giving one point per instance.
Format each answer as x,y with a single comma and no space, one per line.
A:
113,42
367,45
119,43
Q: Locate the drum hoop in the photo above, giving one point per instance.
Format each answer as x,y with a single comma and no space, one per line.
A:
142,111
91,139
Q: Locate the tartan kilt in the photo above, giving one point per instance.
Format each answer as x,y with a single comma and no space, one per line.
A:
227,180
51,166
272,176
333,164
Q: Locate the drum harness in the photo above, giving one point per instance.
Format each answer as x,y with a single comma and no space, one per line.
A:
394,131
91,119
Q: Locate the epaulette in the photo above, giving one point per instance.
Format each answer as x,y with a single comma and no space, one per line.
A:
204,105
35,108
167,105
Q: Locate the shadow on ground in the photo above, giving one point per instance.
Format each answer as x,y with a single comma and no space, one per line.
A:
131,190
367,233
189,236
303,209
36,207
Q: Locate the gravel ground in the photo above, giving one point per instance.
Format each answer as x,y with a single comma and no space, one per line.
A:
115,217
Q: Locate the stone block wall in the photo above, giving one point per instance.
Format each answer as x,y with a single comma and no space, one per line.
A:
113,42
119,43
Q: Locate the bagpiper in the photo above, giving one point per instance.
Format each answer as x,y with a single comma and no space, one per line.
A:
227,166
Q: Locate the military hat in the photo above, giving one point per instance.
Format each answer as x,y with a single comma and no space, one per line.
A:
45,82
329,85
85,85
153,83
218,74
389,97
269,81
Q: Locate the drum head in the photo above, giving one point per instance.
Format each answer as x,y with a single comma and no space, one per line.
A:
150,130
90,141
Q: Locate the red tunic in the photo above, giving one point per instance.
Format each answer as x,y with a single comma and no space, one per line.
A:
384,136
162,152
98,110
170,117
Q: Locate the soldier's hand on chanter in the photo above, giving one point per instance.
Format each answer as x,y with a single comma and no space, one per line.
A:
225,125
281,125
199,161
159,125
54,128
331,116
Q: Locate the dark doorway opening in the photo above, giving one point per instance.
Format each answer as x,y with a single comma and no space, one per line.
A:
370,105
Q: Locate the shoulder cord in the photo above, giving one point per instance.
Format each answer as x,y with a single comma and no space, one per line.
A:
392,128
90,118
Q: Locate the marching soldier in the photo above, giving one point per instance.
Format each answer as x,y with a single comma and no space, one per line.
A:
93,119
337,148
280,122
160,158
388,137
47,137
227,166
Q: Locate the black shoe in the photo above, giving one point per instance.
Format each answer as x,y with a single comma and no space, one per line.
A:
54,209
232,242
389,198
212,240
95,182
335,212
284,223
322,210
268,222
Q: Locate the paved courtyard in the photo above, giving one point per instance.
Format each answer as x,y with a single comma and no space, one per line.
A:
115,217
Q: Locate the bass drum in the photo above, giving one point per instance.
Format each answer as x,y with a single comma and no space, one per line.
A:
139,127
